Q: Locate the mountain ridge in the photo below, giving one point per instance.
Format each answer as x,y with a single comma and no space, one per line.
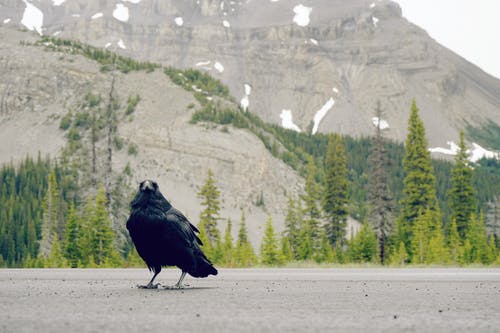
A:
353,52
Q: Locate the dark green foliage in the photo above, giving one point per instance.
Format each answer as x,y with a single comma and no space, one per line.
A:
132,149
335,193
118,142
244,253
419,193
71,245
193,80
132,102
363,247
487,135
209,216
66,121
269,251
462,196
22,193
106,58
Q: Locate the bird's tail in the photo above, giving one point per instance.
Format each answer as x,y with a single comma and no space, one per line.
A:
203,267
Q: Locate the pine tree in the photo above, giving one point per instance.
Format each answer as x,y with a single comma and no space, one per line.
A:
454,242
419,192
207,247
86,233
286,250
363,247
210,215
101,243
335,192
228,249
311,212
379,194
50,216
269,253
476,235
325,253
437,252
399,257
55,258
420,240
71,240
245,255
462,194
293,223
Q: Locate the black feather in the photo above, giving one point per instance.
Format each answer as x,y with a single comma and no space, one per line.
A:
163,236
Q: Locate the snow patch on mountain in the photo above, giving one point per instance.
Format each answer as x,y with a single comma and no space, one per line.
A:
226,24
97,15
287,120
179,21
321,113
58,2
475,153
380,122
245,101
121,12
218,66
375,21
7,20
32,18
301,17
121,44
203,63
135,2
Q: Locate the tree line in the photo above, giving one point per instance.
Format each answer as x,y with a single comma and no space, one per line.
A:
45,221
410,230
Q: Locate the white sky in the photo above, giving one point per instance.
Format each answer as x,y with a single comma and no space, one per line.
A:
469,28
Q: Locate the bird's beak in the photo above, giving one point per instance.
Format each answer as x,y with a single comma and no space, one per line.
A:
147,185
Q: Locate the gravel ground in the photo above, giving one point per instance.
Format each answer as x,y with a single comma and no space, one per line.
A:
251,300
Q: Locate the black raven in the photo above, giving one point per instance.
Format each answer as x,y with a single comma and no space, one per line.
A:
163,236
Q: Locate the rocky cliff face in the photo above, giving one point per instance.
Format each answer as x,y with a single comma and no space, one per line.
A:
326,62
38,88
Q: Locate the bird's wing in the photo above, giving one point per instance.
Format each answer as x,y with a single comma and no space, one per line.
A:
187,228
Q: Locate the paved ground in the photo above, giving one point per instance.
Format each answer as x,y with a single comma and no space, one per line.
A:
252,300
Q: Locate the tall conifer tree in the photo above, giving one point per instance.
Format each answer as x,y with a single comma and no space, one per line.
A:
245,255
210,215
311,213
335,193
419,191
462,194
379,194
50,216
71,238
269,250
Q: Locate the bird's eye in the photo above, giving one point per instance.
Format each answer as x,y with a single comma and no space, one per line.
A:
155,185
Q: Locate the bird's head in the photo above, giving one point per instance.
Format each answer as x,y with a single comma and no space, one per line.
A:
148,186
149,194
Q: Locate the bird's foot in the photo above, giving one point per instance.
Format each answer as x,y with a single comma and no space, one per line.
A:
177,286
149,286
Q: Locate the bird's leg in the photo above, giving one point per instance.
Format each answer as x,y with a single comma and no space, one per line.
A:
179,284
150,285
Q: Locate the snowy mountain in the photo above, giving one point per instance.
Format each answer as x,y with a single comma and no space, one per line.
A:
311,65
